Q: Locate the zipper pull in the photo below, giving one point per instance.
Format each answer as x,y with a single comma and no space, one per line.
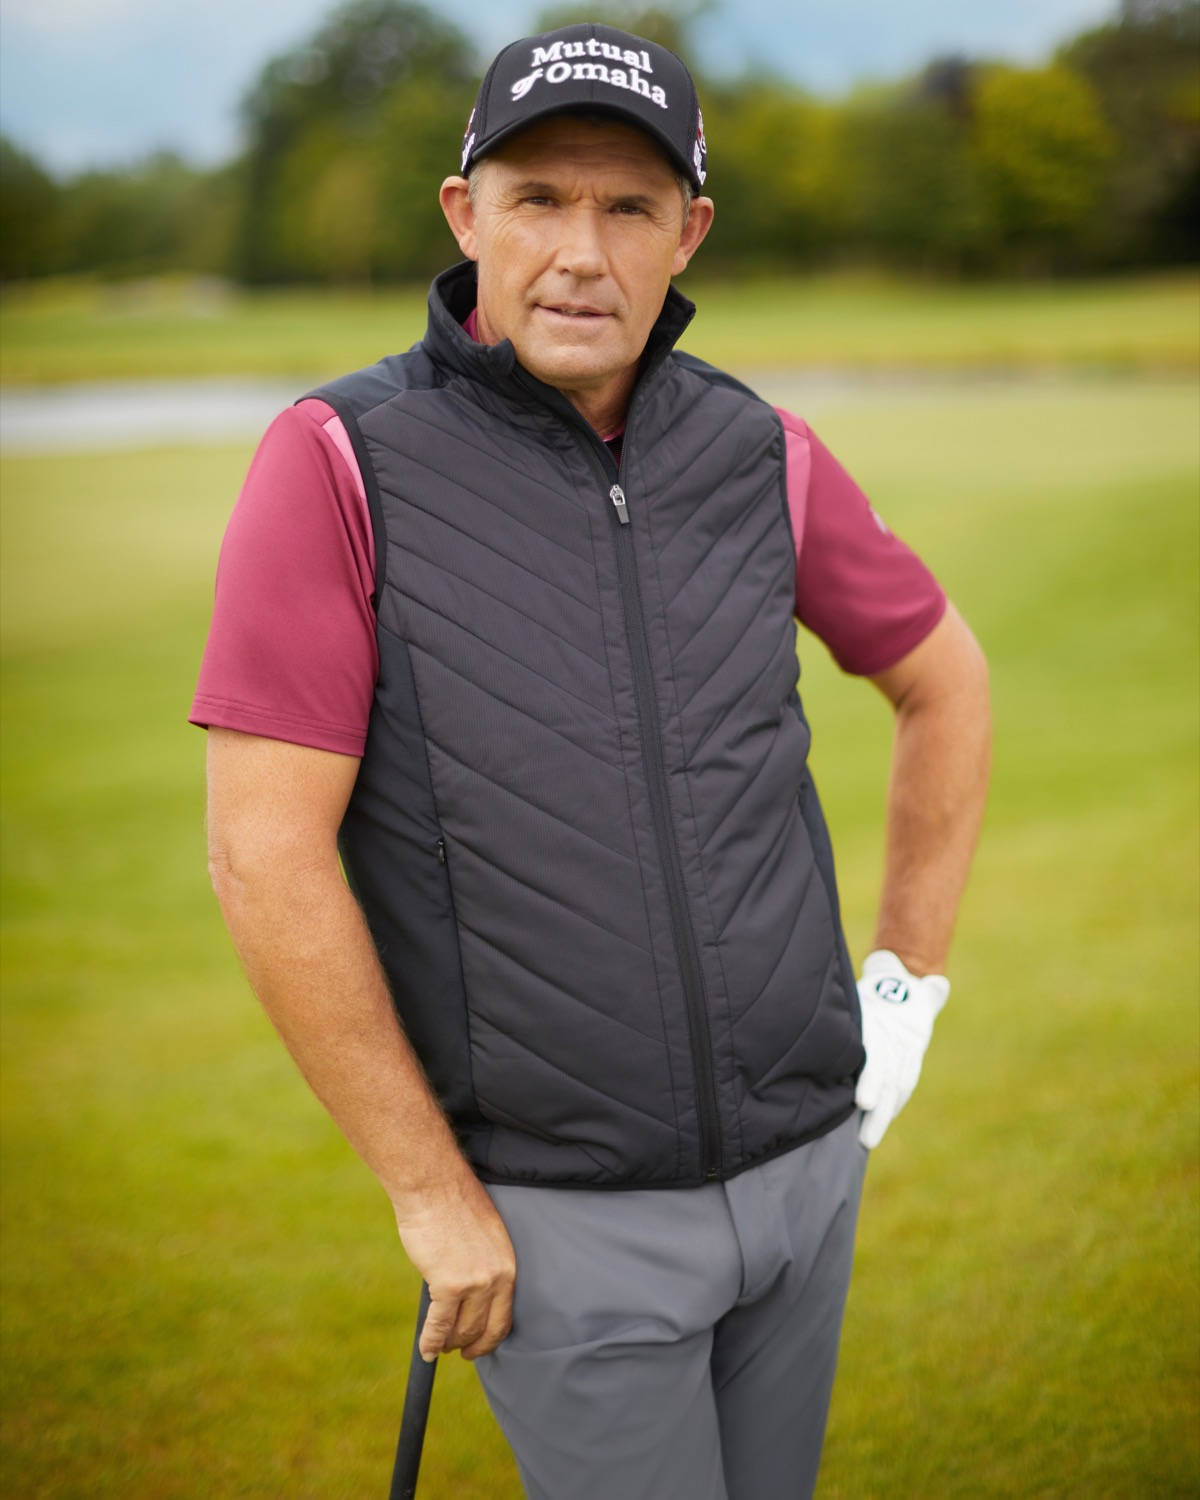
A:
617,496
441,851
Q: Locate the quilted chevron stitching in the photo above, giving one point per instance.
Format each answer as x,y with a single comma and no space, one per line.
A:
553,984
796,1041
768,855
783,651
456,480
583,1083
504,603
422,419
742,792
694,566
754,620
433,515
491,646
445,666
545,812
766,984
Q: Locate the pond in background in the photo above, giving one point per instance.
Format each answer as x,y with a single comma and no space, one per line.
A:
141,413
223,409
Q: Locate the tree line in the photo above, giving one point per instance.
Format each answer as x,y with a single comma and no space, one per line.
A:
1090,161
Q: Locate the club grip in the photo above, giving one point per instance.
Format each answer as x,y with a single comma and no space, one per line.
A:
416,1413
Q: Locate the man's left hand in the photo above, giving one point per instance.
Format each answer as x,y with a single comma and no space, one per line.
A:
898,1012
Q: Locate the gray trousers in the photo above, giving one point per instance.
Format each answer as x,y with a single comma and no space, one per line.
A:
678,1345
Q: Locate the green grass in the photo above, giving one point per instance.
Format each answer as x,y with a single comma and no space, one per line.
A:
203,1293
80,330
1025,1316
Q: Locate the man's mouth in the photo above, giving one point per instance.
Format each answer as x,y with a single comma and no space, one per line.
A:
567,310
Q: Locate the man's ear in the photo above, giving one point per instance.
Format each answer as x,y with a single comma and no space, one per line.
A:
699,223
460,214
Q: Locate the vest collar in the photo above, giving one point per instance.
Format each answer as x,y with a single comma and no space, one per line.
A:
451,298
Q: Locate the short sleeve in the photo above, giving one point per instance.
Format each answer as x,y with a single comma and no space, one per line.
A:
291,652
858,587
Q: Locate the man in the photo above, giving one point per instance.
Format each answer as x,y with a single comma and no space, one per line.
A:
508,619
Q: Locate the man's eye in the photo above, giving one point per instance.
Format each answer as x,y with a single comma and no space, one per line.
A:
630,208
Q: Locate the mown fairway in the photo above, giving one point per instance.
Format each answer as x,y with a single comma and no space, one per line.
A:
78,330
203,1294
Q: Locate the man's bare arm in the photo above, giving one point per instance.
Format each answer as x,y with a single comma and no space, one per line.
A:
273,814
938,785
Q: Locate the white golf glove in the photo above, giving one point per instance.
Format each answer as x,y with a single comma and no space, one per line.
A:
898,1012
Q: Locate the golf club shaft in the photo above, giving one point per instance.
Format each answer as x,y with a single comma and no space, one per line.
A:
416,1413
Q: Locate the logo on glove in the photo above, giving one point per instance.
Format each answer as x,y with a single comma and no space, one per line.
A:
893,990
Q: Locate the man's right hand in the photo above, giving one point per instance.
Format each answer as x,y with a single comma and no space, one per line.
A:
458,1242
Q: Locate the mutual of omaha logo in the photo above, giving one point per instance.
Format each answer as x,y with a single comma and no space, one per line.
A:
565,62
893,990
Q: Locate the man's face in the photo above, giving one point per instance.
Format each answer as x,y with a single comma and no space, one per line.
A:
577,228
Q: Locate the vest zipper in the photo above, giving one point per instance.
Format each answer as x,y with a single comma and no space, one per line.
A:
654,765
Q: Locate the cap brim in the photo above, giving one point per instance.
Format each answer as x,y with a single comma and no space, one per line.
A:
576,107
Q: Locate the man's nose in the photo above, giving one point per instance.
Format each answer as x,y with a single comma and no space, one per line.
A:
581,244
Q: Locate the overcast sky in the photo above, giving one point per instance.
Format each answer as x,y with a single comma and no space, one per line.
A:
98,82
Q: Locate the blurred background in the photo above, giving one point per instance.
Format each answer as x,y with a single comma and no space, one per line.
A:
962,240
1073,150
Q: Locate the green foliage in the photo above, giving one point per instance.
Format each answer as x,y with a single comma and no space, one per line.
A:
161,214
28,215
967,168
1041,148
972,168
773,175
333,127
910,190
1145,69
422,130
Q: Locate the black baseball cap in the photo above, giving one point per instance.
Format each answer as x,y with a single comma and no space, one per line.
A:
592,68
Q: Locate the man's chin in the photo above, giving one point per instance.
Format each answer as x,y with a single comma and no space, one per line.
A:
571,369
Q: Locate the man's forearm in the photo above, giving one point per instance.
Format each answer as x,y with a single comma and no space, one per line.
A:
274,811
309,957
936,795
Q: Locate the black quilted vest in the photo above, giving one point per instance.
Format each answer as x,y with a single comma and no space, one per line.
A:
583,831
